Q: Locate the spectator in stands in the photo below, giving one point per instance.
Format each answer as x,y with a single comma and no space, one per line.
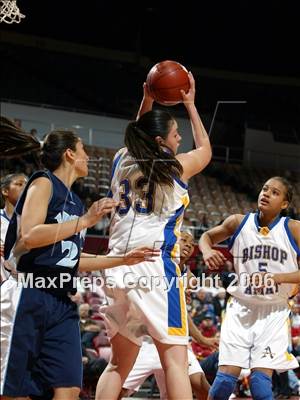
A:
18,122
199,298
208,329
86,323
219,302
33,132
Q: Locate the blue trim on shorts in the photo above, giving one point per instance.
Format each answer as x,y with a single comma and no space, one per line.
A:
174,310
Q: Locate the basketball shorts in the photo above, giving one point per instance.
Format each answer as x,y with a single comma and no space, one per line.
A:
147,299
148,363
255,336
40,342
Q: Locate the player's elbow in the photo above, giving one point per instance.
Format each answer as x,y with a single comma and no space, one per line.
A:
28,241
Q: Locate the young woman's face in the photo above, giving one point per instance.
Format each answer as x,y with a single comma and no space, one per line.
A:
186,244
272,197
173,138
15,188
81,160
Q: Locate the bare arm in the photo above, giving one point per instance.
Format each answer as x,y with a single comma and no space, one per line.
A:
198,337
213,258
35,233
92,262
196,160
147,102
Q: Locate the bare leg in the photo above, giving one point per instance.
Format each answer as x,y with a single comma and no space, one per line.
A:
70,393
124,354
14,398
200,386
174,361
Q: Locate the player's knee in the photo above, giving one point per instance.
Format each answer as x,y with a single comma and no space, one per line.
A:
223,386
261,386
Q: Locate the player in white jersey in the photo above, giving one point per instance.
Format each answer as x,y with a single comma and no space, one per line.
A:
11,188
255,332
150,181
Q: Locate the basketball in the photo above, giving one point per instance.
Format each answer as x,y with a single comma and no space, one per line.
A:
165,80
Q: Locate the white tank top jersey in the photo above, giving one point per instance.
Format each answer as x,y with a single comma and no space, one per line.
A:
148,214
256,249
4,222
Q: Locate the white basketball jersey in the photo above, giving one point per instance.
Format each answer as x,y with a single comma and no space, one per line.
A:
4,222
148,214
256,249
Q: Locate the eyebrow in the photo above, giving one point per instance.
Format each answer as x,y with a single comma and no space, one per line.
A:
272,187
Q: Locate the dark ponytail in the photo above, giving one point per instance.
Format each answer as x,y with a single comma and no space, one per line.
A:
15,142
155,164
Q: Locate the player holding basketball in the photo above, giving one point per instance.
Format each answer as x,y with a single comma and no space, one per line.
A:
40,339
254,333
150,181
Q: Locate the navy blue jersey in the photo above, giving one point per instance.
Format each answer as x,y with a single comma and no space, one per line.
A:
57,258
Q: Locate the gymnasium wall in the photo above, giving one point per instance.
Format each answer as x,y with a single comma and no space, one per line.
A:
98,130
261,150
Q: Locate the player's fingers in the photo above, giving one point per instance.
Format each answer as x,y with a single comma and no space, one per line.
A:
192,80
211,264
222,256
219,260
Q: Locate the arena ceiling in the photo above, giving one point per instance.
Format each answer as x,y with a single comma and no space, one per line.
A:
244,36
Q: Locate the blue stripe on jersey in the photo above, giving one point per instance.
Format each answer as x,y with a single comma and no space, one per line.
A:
181,183
113,170
271,226
236,233
174,309
290,236
115,164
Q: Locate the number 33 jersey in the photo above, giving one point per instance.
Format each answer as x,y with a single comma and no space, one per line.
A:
263,249
148,214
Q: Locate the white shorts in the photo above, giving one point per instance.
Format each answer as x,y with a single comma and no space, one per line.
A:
10,295
148,363
255,336
141,303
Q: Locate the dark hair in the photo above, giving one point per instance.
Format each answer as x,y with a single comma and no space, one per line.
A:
288,187
15,142
55,144
4,184
156,164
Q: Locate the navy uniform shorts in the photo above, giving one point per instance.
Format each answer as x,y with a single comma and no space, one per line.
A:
40,342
